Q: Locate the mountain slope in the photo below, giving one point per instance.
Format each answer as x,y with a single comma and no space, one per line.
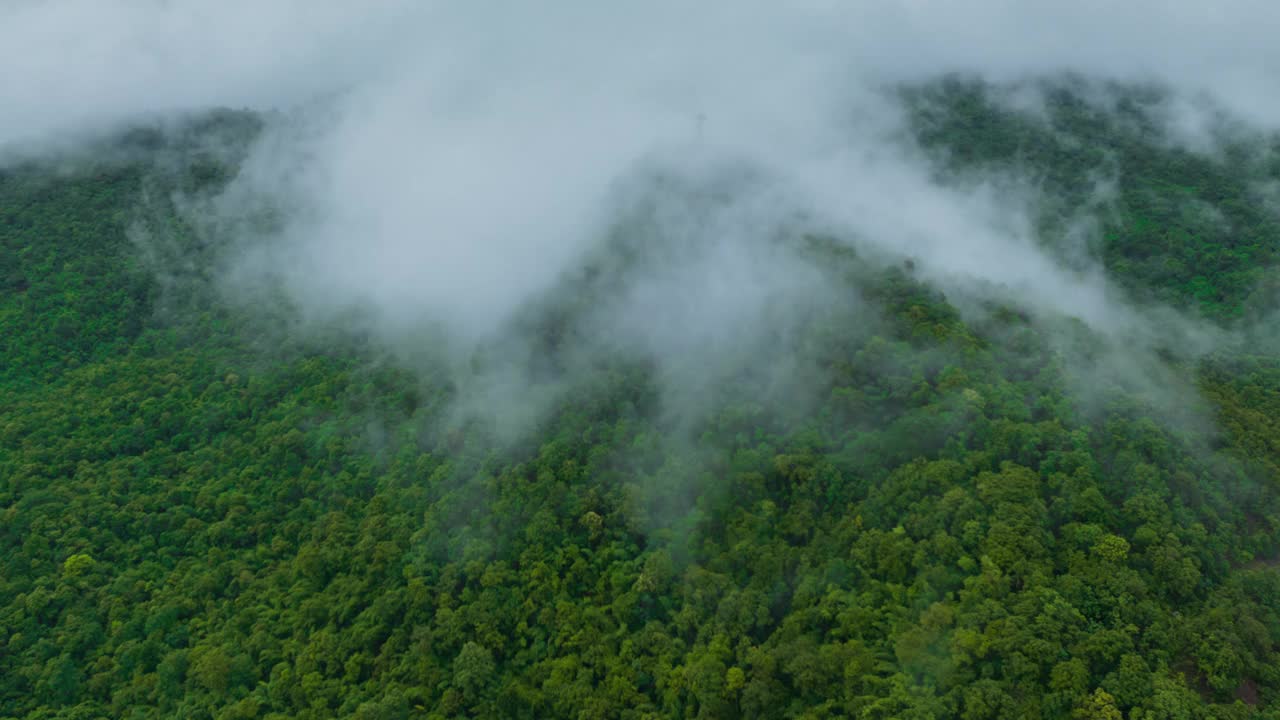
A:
211,510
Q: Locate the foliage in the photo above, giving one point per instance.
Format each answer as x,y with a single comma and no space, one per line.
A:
191,531
1173,225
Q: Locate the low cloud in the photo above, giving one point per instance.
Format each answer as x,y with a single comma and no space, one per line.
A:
442,166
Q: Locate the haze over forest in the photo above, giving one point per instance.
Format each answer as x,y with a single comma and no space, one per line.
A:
400,360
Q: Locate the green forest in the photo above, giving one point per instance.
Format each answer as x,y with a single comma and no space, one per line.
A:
207,512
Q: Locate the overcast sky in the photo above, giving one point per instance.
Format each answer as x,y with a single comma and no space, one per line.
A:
77,63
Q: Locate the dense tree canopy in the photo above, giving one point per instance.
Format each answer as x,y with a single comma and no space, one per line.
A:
944,526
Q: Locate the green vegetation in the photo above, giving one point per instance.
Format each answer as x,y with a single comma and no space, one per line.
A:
189,528
1179,227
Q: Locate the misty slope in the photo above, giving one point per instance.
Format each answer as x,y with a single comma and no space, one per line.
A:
1177,227
866,499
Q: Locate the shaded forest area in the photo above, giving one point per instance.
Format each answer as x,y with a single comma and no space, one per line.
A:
191,528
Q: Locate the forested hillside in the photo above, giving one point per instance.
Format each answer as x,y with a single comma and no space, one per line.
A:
211,509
